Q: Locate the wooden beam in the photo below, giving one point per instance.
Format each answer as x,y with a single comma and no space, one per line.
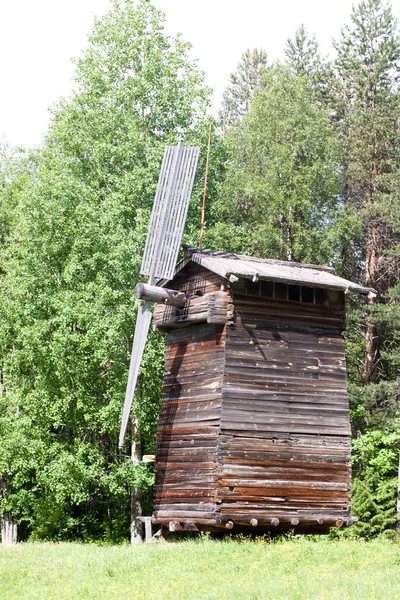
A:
175,526
339,523
160,295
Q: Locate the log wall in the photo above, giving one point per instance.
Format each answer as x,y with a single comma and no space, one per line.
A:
189,423
285,432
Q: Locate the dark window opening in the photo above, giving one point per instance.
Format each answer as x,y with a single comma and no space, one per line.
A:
253,287
281,290
294,292
267,289
284,291
307,294
319,296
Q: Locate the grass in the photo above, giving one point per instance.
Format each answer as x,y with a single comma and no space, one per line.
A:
203,569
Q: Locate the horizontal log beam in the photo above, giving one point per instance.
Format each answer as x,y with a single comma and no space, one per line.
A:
160,295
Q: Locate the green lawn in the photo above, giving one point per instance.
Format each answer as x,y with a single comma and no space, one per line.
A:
203,569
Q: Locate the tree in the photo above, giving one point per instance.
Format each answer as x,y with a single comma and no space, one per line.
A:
302,53
280,196
66,301
368,113
375,465
237,97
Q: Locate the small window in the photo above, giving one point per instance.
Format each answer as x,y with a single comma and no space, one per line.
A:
294,292
267,289
319,296
307,294
281,290
253,287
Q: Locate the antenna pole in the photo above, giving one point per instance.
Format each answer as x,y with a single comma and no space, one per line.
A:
203,206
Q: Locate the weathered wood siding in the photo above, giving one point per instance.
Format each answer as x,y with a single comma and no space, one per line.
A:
285,433
189,423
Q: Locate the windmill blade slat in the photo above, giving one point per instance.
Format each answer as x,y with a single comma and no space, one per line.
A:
142,327
169,211
179,209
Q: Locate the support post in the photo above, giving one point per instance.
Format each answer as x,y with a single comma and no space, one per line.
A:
164,533
136,506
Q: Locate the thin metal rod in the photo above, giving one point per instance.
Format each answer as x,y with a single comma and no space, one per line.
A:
203,206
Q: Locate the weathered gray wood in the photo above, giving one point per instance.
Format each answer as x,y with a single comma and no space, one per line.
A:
136,505
147,526
160,295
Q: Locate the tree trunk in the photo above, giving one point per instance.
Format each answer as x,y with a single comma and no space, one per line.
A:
8,529
370,350
136,506
371,272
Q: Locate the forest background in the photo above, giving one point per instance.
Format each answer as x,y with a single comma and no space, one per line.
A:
304,166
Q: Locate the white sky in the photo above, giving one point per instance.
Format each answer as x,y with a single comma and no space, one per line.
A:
39,37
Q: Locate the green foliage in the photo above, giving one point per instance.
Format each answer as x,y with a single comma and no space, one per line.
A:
282,181
367,113
238,95
302,53
375,466
77,223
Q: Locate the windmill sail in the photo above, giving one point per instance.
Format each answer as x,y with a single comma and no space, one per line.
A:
167,222
169,211
142,329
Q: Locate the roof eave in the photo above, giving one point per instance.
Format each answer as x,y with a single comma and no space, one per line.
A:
206,261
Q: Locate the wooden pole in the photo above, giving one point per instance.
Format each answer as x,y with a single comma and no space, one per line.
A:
203,206
136,506
160,295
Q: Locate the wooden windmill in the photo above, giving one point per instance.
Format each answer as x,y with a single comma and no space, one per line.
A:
254,428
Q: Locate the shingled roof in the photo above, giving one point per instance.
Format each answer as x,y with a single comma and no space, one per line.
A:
235,266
